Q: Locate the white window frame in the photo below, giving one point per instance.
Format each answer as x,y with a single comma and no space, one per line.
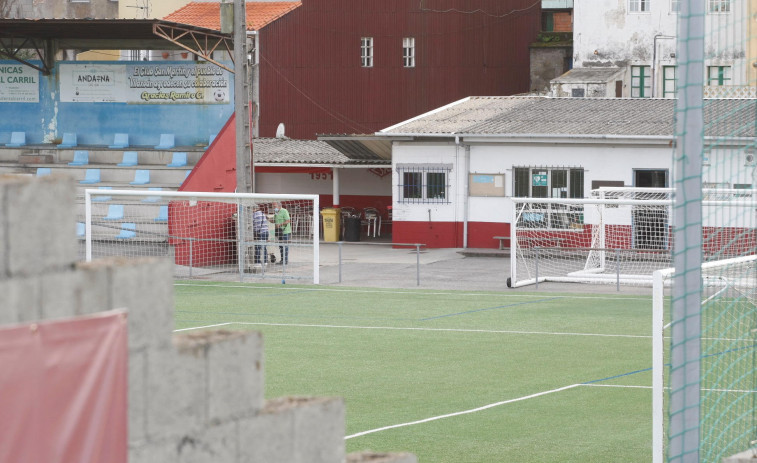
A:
423,190
641,81
569,189
668,80
639,6
366,52
714,78
719,6
408,52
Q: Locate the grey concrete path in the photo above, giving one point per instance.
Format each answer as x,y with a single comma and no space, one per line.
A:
381,265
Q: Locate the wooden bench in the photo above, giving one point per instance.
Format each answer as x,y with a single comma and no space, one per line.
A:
501,240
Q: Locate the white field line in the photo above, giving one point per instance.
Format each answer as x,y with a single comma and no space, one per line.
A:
421,292
394,328
464,412
735,391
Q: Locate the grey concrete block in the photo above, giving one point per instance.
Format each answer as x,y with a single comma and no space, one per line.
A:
82,290
235,374
747,456
319,431
138,394
39,225
145,287
214,444
372,457
19,300
295,430
163,451
177,393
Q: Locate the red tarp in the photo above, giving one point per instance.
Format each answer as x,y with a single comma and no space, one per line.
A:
63,390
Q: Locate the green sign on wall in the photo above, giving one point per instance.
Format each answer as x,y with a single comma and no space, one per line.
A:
538,179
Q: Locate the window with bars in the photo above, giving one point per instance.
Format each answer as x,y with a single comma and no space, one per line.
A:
638,6
719,6
548,182
718,75
408,52
366,52
641,82
668,81
423,183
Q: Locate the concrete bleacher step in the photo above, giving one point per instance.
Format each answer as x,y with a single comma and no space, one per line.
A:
144,157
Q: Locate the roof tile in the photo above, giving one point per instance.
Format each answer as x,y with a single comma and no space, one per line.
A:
208,14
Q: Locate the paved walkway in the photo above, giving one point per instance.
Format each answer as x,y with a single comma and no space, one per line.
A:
381,265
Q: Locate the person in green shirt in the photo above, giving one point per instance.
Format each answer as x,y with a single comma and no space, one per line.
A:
283,229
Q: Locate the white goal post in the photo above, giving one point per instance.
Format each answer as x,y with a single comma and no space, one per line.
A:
620,235
728,382
205,233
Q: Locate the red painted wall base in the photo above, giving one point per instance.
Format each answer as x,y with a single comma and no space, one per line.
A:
449,234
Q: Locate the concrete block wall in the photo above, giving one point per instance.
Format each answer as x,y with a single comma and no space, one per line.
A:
195,397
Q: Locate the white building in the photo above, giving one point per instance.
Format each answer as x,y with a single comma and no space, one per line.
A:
638,38
455,169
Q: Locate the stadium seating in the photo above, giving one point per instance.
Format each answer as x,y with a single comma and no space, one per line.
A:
91,176
42,171
211,139
69,140
179,159
121,140
128,230
17,139
130,159
166,142
115,212
81,158
141,177
99,198
152,199
162,214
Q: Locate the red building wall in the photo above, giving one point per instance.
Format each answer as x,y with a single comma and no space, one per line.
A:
311,77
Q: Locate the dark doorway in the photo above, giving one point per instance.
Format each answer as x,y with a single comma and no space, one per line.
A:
650,223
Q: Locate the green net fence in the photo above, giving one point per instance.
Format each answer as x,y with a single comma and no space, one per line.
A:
712,380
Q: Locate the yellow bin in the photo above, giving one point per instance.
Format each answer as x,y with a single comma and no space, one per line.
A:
331,225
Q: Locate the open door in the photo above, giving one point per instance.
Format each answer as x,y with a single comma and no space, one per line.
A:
650,224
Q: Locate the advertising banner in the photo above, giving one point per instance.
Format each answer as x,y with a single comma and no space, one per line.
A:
63,390
18,83
145,82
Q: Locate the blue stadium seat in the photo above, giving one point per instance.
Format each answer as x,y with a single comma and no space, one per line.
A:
130,159
42,171
128,230
166,142
115,212
141,177
91,176
69,140
17,139
101,199
152,199
121,140
162,214
80,229
179,159
211,139
81,158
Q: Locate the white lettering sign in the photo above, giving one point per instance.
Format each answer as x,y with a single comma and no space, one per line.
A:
18,83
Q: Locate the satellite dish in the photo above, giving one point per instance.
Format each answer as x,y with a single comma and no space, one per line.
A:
280,131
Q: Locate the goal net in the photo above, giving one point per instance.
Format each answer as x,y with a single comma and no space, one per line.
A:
728,381
207,235
617,236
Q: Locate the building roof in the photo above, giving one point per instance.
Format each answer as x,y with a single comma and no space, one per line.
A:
208,14
309,152
590,117
589,75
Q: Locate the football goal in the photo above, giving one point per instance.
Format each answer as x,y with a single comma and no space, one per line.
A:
617,236
207,235
728,378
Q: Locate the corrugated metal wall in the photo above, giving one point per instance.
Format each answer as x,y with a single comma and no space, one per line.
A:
311,77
